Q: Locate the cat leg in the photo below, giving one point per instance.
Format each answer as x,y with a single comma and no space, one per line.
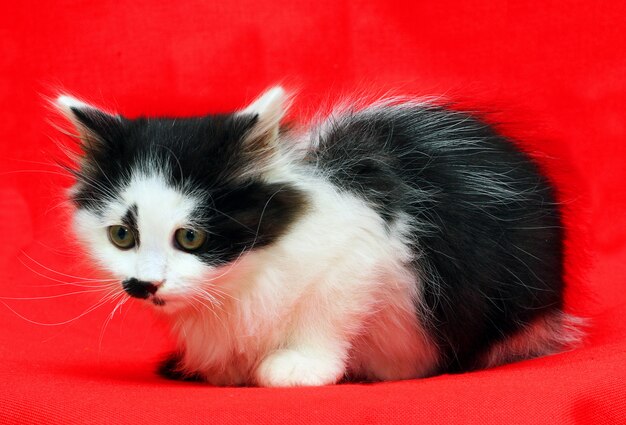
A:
319,338
301,366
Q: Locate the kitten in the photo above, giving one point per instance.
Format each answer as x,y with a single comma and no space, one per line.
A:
396,241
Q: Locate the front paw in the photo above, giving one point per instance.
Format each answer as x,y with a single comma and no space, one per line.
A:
171,368
292,368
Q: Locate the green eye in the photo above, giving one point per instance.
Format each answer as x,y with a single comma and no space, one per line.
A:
189,239
122,237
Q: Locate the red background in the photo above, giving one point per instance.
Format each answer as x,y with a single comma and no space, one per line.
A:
552,70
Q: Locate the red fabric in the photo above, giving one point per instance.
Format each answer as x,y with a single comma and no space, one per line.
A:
553,70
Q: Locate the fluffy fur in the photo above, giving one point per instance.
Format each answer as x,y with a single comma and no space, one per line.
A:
396,241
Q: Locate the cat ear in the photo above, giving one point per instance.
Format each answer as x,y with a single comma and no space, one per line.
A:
268,109
95,126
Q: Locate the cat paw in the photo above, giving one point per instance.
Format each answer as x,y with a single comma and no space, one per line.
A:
170,368
291,368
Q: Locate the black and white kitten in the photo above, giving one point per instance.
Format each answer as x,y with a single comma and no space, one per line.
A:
395,241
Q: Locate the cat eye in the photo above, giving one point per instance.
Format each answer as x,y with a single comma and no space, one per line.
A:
121,236
189,239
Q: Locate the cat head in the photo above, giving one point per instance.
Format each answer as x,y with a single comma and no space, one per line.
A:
167,205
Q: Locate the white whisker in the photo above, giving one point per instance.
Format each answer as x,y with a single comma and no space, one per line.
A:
89,310
119,304
56,272
75,284
53,296
34,171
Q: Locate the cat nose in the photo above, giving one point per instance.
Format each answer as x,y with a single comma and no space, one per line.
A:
139,288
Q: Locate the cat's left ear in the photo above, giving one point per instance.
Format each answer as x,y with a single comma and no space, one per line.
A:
269,109
96,128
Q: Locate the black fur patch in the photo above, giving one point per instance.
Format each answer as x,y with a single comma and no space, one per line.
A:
169,368
130,220
487,223
204,156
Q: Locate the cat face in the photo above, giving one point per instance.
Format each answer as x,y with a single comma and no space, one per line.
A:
170,206
134,235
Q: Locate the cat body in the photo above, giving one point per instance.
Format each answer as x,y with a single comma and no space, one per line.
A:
396,241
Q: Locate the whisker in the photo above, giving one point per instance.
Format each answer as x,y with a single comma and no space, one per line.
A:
100,187
229,268
200,290
206,296
89,310
35,171
119,304
59,251
56,272
210,308
195,307
214,289
62,282
58,205
28,161
53,296
76,284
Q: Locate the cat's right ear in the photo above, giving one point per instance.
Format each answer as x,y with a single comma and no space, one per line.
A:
96,128
267,110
